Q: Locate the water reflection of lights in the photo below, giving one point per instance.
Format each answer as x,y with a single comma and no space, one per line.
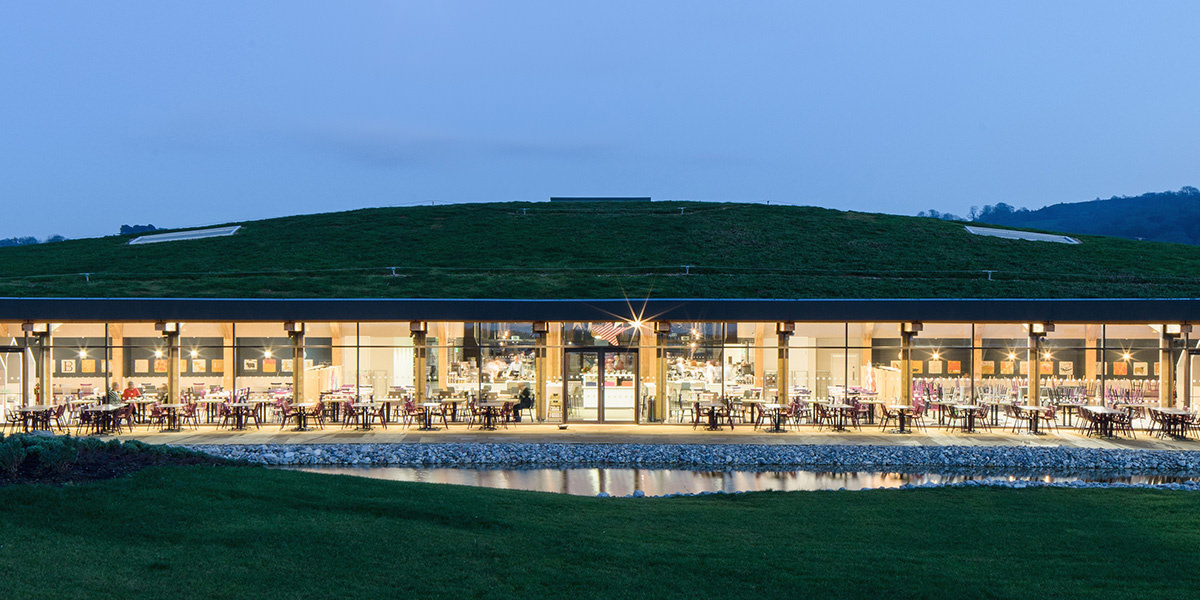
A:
658,482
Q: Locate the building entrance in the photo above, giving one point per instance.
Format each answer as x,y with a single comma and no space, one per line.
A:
600,385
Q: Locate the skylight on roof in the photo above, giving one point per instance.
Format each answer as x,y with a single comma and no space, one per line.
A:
1009,234
178,236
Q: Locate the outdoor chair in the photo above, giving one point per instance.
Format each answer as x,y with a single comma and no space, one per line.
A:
157,415
353,416
57,416
286,413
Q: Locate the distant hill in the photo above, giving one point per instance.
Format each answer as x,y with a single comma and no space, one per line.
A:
602,250
1158,217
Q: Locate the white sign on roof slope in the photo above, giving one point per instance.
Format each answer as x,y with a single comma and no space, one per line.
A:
194,234
1009,234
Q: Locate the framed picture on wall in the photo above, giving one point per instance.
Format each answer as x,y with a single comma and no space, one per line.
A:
1045,367
987,367
1121,368
1006,367
250,364
1066,368
896,364
87,365
160,365
199,365
269,364
935,367
1141,369
954,367
287,364
1156,371
141,365
67,365
218,365
1024,367
917,367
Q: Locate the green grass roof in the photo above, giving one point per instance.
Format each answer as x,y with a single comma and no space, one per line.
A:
596,250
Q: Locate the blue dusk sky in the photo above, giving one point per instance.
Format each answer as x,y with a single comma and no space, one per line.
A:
192,113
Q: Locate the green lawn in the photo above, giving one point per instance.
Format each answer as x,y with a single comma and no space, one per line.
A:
229,532
589,250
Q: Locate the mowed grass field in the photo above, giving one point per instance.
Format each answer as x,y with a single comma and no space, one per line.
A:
244,532
597,250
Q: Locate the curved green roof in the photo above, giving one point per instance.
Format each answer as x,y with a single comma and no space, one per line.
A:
602,250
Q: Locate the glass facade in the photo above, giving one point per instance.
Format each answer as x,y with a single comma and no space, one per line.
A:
601,372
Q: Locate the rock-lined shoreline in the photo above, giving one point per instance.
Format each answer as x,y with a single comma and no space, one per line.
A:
716,456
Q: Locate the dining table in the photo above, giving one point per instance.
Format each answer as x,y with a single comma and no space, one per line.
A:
171,412
777,413
839,411
1174,421
712,411
427,415
1034,413
968,412
35,417
903,413
491,414
300,411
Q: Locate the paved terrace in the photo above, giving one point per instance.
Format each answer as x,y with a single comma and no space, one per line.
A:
643,434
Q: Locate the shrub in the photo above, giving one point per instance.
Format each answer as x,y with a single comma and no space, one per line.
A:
52,455
12,454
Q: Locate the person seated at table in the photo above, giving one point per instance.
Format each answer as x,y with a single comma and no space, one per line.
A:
130,392
524,400
114,394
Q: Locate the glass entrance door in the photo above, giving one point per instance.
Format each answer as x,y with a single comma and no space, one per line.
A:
14,379
600,386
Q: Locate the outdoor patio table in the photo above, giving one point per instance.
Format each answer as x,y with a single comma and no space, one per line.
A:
35,417
1067,410
1104,417
1174,421
969,411
139,407
903,412
210,407
840,410
711,409
755,405
240,411
872,402
103,415
427,418
363,407
491,412
301,412
172,414
777,414
1034,413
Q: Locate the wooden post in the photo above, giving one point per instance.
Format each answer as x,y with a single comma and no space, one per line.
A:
539,366
174,395
420,361
782,385
298,391
1035,369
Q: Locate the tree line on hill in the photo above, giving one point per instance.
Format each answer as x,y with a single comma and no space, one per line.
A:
30,240
1157,216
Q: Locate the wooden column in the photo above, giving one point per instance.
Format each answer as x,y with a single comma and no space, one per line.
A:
420,359
47,394
782,385
298,391
1035,369
661,399
541,405
1166,370
174,395
906,378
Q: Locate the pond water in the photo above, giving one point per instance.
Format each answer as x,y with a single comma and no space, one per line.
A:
657,482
